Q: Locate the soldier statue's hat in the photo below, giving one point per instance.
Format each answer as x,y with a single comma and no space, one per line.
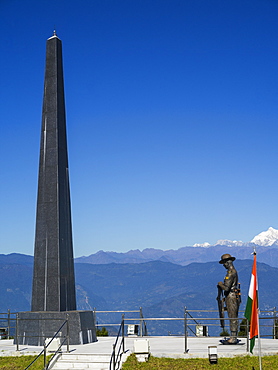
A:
226,257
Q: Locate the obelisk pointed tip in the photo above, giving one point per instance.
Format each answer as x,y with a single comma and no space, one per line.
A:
54,35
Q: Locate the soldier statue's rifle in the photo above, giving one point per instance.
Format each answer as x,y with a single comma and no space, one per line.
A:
221,308
238,294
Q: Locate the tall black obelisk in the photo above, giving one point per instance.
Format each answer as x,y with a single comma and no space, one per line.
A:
53,278
53,295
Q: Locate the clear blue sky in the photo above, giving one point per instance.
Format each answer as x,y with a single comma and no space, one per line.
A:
172,119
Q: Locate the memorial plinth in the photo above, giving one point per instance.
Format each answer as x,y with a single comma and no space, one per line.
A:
35,327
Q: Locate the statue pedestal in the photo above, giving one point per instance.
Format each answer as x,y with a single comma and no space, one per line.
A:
34,327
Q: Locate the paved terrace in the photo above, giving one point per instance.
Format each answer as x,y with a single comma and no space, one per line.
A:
168,346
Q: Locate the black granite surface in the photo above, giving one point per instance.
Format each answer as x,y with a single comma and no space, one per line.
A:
35,327
53,277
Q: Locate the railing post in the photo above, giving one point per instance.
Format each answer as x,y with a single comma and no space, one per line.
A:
9,323
44,356
113,354
123,331
185,330
16,332
274,323
95,317
67,332
141,322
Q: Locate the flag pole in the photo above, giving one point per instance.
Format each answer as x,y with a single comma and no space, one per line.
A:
258,311
252,310
259,342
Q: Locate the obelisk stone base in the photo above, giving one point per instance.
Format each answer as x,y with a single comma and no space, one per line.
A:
35,327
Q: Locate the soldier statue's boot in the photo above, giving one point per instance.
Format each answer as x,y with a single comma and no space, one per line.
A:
233,338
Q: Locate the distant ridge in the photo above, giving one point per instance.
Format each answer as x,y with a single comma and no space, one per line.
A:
265,242
163,289
184,256
16,258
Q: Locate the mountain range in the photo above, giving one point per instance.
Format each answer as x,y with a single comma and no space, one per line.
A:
162,289
266,244
161,282
182,256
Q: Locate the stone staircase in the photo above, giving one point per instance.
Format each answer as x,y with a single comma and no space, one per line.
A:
70,361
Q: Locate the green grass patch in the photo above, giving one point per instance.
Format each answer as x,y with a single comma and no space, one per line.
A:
238,363
21,362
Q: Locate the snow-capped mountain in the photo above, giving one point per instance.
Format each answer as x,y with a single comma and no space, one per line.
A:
230,243
204,245
266,238
266,241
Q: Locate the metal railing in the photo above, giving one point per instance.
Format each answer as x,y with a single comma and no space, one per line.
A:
268,319
268,328
17,336
268,324
142,322
118,347
45,346
208,322
6,321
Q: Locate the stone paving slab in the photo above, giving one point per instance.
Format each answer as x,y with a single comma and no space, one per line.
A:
168,346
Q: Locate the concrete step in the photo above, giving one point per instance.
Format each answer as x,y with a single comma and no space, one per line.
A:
69,361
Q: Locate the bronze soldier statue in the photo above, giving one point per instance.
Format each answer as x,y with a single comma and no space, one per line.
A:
231,290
